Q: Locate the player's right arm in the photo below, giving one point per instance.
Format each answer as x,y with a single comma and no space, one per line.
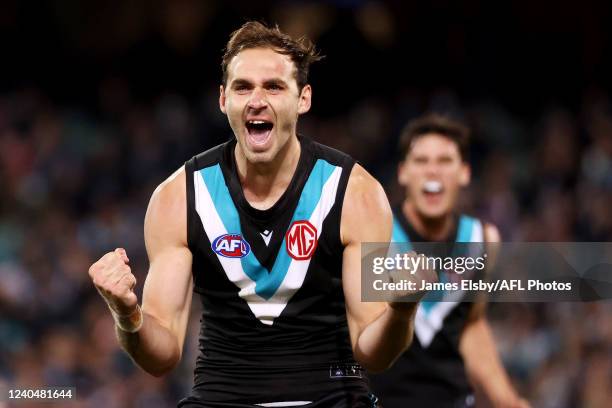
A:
157,345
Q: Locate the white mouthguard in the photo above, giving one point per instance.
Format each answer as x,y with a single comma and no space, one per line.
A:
432,187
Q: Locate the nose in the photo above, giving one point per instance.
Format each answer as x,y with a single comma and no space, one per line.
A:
257,99
432,169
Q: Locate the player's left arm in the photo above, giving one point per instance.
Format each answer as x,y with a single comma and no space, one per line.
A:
477,347
379,331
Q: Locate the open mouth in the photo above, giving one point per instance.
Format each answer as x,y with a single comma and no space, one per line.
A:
432,188
259,130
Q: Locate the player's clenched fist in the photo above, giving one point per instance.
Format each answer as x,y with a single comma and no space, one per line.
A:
113,278
414,274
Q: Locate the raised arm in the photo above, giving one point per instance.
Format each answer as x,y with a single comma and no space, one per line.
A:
380,332
153,337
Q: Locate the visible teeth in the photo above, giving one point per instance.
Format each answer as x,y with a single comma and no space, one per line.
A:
257,122
432,187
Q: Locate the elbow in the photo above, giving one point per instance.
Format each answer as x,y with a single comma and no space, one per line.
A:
380,363
157,373
376,367
162,368
160,371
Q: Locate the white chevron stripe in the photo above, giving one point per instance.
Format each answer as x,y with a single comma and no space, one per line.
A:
285,404
426,325
214,228
265,310
477,233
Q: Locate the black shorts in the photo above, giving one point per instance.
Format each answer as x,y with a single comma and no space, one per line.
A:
335,400
431,401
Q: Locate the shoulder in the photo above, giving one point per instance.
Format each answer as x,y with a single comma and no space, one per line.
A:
491,233
167,210
329,154
207,158
171,190
365,205
361,183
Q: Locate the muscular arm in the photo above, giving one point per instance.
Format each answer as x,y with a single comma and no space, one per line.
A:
380,332
157,346
482,362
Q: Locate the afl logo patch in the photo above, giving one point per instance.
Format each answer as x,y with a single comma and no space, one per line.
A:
231,246
301,240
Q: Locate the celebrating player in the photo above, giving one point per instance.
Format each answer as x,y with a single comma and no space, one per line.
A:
267,228
453,347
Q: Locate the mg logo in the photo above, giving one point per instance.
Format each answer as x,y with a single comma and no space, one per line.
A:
301,240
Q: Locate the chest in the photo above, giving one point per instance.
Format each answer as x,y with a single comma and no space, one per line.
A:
267,256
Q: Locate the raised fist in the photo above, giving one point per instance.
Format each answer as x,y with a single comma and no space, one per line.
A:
113,278
414,279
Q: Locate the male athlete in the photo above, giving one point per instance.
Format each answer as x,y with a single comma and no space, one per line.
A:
267,229
453,346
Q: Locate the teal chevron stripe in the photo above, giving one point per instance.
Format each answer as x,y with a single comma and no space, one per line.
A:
466,226
266,282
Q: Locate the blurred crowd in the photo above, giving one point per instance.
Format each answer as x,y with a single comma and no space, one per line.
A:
75,179
75,185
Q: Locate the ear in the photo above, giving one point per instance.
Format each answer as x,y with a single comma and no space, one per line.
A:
222,99
465,174
305,99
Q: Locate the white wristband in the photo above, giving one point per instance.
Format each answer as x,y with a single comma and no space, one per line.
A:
129,323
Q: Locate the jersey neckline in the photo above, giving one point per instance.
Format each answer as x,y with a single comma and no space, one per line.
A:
230,172
416,237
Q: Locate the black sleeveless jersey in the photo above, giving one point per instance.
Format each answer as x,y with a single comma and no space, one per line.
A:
274,329
431,372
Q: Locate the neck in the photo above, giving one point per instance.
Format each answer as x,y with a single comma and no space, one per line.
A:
433,229
263,183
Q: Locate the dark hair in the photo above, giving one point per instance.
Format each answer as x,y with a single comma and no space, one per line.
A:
439,124
254,34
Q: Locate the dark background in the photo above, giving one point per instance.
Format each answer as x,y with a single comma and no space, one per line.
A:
101,100
523,54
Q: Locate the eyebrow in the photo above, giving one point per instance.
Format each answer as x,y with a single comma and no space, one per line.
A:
267,82
275,81
240,81
424,155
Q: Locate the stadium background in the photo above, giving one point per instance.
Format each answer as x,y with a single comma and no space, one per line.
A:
100,101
